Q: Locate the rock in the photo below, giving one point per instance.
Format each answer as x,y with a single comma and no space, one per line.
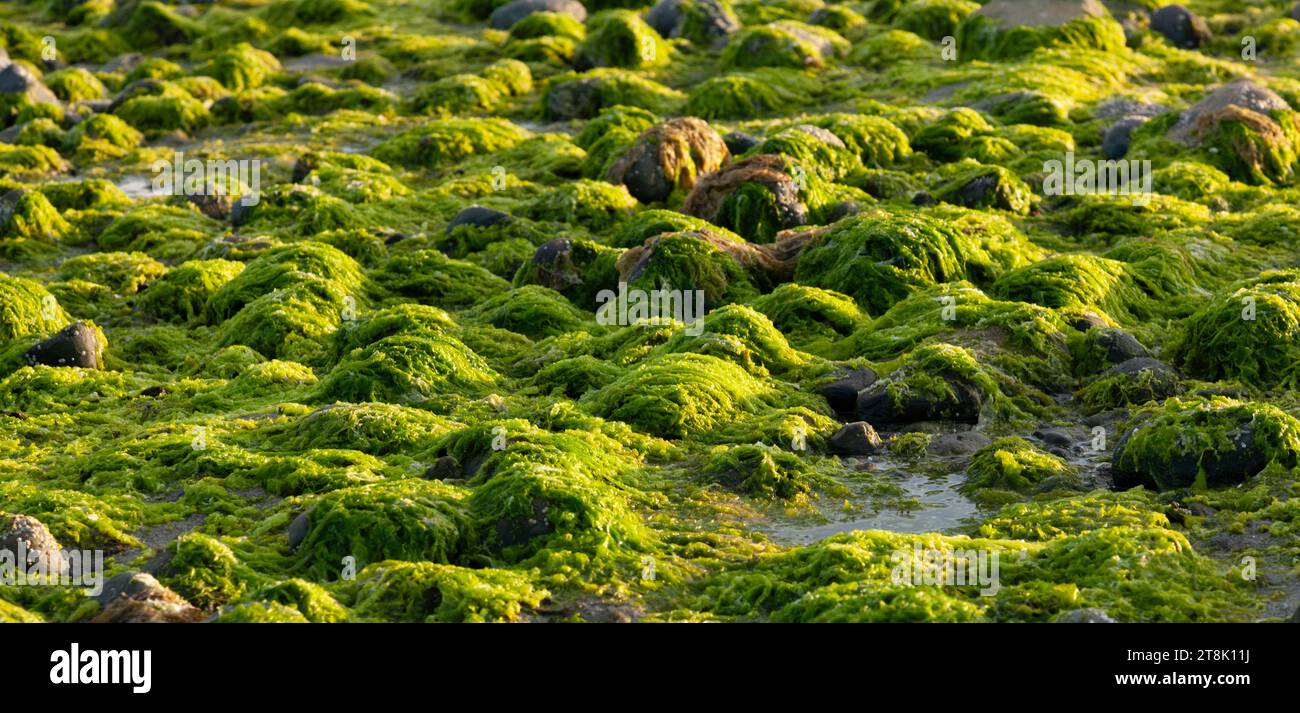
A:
706,22
79,345
154,392
445,468
843,209
553,263
1242,93
518,531
1040,13
766,170
240,213
1115,142
1123,107
577,99
1091,615
299,528
1241,459
506,16
1055,437
1086,321
18,79
216,207
961,443
738,142
477,216
1116,345
29,542
842,394
669,156
139,598
880,408
1139,364
1181,27
923,198
123,63
856,439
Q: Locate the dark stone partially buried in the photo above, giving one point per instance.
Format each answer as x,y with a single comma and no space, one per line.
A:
77,345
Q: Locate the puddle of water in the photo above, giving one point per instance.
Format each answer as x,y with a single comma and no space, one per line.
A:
942,507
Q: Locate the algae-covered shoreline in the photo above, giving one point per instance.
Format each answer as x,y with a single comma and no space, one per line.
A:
620,310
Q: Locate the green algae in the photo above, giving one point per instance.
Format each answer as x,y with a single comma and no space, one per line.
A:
1013,464
880,258
366,346
398,519
430,592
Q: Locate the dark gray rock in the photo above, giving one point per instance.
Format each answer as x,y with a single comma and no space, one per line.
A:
299,528
738,142
881,409
1181,27
445,468
842,394
856,439
715,24
78,345
506,16
1231,465
477,216
518,531
18,79
961,443
1116,140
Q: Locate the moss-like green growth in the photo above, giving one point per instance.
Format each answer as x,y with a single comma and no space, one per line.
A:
29,224
463,93
742,335
124,273
810,316
1013,464
431,276
793,45
152,24
102,137
429,592
620,38
987,187
182,294
548,24
934,19
410,519
161,230
992,34
582,96
531,310
27,309
174,109
373,428
316,12
760,470
692,261
205,571
1200,443
595,204
242,67
75,84
676,395
1250,333
880,258
448,141
750,94
407,369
